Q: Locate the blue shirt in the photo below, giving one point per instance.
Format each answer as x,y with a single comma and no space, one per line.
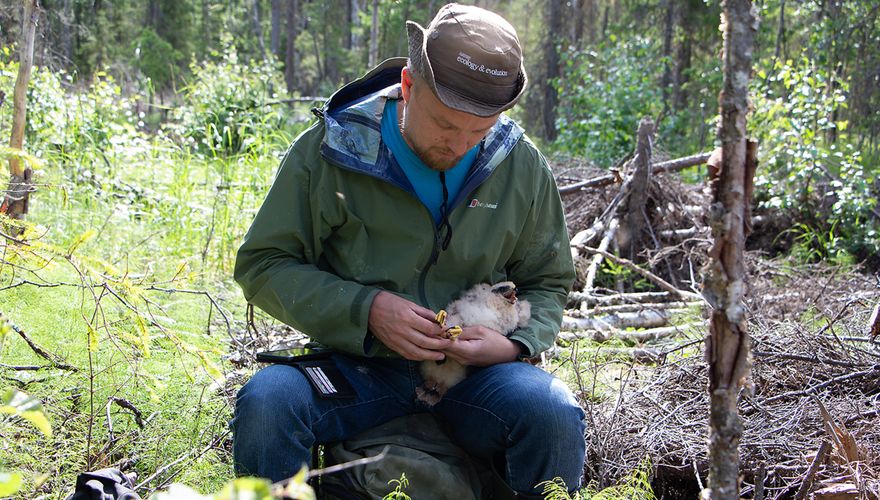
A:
425,180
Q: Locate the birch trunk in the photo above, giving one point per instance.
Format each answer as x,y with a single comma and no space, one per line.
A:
728,346
15,204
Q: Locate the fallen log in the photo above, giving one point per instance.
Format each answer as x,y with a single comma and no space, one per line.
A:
656,168
623,298
639,336
641,319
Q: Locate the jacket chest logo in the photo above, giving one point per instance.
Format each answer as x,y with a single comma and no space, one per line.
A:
475,203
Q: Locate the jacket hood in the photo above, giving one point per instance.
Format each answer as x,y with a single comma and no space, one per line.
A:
353,138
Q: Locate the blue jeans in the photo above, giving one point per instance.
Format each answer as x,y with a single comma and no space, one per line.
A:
511,413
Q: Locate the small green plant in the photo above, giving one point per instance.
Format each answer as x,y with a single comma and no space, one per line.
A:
399,485
227,107
28,408
635,486
556,490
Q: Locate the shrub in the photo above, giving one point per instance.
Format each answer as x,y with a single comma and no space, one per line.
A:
226,109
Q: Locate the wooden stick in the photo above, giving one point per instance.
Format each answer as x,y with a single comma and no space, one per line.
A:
656,168
596,261
819,459
623,298
665,285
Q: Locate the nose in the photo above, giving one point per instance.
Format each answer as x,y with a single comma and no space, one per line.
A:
458,144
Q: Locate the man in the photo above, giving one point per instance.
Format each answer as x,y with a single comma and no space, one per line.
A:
412,188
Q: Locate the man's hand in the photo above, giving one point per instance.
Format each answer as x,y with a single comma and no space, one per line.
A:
406,328
481,346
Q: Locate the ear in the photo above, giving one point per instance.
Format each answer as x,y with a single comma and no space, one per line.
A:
406,83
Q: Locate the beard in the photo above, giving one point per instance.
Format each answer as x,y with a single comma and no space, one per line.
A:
436,158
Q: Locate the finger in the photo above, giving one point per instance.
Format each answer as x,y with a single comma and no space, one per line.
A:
424,313
413,352
432,342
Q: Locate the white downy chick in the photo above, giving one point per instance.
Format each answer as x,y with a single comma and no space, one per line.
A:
493,306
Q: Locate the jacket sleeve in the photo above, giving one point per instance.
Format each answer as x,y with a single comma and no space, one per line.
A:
278,265
541,264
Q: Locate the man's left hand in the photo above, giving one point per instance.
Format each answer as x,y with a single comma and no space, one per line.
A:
481,346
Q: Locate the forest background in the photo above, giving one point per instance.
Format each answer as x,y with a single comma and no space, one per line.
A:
154,129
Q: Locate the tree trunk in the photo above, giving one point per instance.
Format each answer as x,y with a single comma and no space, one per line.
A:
15,203
634,221
275,32
577,25
353,40
780,33
668,29
206,27
258,28
551,57
66,31
728,346
374,36
291,59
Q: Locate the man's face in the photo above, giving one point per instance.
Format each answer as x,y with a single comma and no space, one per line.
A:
439,135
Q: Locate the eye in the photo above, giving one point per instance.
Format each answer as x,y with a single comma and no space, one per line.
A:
502,289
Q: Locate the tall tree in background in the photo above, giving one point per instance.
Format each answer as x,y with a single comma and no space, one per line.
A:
291,59
728,344
15,203
258,27
277,17
374,36
551,58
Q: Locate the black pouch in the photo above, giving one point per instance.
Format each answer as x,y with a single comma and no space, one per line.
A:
326,378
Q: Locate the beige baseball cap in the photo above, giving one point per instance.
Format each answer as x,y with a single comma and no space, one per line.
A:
470,57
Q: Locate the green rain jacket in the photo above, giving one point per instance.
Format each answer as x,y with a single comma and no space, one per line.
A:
341,223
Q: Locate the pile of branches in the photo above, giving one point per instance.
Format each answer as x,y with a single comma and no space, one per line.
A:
811,418
812,408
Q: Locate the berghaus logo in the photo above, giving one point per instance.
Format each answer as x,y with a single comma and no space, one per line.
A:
475,203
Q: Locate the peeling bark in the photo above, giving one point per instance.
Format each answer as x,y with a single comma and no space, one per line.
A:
728,345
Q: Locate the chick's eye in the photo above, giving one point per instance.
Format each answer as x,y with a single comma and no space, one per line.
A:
502,289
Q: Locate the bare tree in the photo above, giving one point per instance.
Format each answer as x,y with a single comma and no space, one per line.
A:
374,35
277,16
291,60
15,203
256,15
728,344
551,59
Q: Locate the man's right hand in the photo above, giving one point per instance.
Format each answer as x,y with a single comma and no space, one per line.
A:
406,328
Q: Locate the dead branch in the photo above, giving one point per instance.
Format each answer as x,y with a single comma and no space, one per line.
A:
818,460
596,261
815,388
639,336
665,285
656,168
607,309
623,298
40,351
633,217
187,455
128,405
874,322
642,319
214,304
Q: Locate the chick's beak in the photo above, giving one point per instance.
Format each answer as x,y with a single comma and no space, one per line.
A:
510,295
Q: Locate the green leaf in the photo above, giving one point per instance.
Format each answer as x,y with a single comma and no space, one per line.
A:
179,492
93,338
10,483
298,486
248,488
15,402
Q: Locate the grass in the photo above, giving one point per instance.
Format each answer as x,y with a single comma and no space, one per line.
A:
106,239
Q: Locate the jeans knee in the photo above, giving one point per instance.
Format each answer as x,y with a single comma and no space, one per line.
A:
269,394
